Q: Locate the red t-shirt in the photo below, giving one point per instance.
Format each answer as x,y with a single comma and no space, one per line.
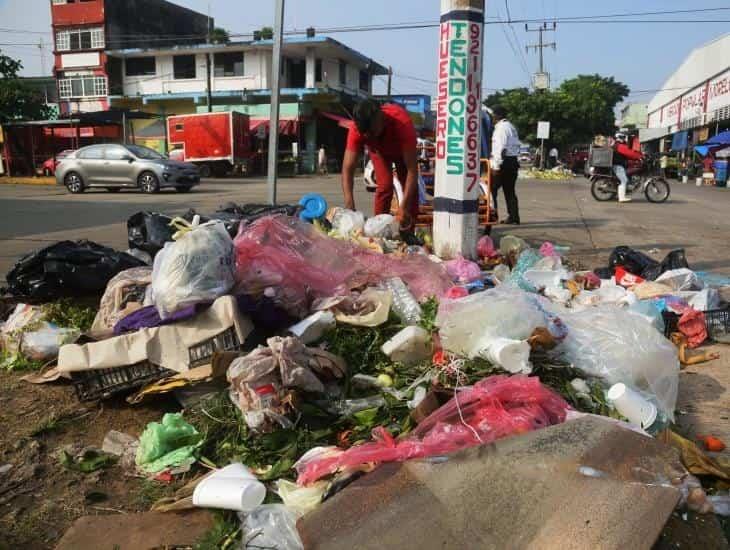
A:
399,135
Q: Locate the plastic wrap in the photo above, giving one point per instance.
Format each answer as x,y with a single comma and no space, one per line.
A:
382,225
124,294
462,270
272,526
43,344
294,263
506,312
198,267
347,222
528,258
617,345
495,407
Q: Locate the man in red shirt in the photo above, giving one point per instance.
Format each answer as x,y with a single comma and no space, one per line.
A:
622,153
390,136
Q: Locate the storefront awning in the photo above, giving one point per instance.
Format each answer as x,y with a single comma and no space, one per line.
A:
287,127
680,141
343,122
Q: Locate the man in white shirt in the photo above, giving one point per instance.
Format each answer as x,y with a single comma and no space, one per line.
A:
504,164
553,157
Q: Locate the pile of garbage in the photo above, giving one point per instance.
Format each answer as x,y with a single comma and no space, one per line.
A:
556,173
308,348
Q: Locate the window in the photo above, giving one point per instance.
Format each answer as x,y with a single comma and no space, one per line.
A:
183,66
228,64
179,127
140,66
94,152
343,73
318,70
80,39
115,152
365,81
86,86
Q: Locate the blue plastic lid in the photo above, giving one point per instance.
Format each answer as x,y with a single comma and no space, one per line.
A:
315,206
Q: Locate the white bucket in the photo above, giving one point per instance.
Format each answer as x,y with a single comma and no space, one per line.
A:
632,405
231,488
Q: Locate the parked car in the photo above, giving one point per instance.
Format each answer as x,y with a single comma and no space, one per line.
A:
49,166
117,166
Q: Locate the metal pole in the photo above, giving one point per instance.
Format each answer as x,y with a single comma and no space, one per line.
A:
541,47
390,78
275,96
542,154
124,126
456,197
208,90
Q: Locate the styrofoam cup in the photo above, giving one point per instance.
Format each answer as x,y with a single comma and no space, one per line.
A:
227,493
632,405
512,355
235,469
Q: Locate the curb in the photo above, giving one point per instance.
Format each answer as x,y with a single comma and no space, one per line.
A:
4,180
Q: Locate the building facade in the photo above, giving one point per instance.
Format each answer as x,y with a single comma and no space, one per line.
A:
84,30
633,115
694,102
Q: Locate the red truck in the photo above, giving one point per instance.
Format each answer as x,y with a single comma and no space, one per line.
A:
217,142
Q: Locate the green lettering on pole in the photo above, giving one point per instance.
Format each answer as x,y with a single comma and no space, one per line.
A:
454,166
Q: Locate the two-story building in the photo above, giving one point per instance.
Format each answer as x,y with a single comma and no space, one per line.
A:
321,81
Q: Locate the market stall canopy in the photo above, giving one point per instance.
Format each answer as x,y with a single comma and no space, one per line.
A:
723,138
343,122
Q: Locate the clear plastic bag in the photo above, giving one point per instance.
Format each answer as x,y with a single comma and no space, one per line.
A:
618,345
43,344
271,526
198,267
347,222
506,312
382,225
528,258
495,407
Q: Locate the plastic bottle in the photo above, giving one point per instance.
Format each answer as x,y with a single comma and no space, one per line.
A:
404,305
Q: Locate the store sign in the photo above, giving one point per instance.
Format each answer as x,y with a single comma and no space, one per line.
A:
458,108
718,92
693,103
670,113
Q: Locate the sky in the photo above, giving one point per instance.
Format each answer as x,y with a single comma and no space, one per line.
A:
642,55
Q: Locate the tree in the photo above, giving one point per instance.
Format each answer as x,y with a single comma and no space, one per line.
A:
219,36
17,100
578,110
267,33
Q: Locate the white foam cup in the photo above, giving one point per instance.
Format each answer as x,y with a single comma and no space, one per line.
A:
632,405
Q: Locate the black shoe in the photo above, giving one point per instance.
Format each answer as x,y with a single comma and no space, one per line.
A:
510,221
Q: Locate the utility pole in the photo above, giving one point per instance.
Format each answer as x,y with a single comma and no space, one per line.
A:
275,96
539,47
390,78
458,112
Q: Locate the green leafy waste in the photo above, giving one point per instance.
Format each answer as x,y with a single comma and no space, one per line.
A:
67,314
90,461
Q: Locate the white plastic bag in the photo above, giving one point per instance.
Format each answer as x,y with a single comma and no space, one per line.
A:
198,267
681,279
346,222
382,225
270,526
618,345
43,344
504,312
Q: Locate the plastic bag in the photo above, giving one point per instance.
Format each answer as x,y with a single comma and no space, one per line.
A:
293,263
271,526
509,244
618,345
639,263
527,259
43,344
485,247
302,499
124,294
495,407
504,312
681,279
346,222
198,267
382,225
462,270
67,269
149,231
170,443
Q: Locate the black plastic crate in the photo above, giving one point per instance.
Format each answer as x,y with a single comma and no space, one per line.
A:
717,322
203,352
104,383
91,385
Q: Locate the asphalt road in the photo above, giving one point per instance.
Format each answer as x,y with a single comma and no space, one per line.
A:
563,212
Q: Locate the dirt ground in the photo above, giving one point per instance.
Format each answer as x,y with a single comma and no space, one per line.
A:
39,498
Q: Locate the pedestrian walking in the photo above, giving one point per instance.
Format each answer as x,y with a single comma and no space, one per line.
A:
504,164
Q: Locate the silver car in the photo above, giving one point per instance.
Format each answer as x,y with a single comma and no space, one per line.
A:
114,166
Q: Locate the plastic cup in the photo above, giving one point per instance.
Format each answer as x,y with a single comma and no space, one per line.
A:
231,488
632,405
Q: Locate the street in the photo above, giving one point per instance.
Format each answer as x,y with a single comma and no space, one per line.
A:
562,212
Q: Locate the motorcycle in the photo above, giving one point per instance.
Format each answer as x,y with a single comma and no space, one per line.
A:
604,184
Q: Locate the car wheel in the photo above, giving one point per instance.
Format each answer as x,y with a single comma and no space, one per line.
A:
148,182
113,189
183,188
74,183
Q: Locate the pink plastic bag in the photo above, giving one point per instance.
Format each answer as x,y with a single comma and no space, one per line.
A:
548,249
292,262
495,407
456,292
692,324
462,270
485,247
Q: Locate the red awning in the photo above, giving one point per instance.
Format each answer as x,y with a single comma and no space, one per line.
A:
343,122
287,127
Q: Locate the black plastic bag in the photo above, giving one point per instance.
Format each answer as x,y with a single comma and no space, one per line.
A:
676,259
149,231
67,269
638,263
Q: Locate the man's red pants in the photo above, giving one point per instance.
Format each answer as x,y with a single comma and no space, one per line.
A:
384,182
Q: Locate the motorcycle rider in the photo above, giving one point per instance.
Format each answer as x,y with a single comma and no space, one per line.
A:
622,153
